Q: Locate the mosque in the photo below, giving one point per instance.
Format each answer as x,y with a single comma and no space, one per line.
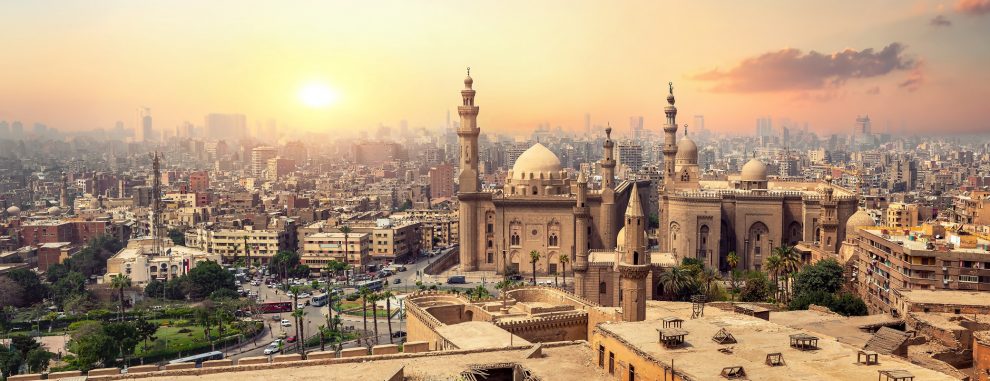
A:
603,233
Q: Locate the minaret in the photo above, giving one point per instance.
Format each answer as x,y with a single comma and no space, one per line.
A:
63,193
633,260
607,164
468,177
829,240
581,215
156,205
670,138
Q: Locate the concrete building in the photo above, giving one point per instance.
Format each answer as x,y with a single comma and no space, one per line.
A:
138,261
442,181
259,160
971,208
199,181
248,243
226,126
901,215
318,249
36,233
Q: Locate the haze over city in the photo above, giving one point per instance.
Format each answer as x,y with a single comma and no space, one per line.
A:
913,66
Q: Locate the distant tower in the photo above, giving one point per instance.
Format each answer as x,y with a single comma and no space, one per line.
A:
469,196
581,215
63,193
670,137
830,219
156,205
608,191
632,264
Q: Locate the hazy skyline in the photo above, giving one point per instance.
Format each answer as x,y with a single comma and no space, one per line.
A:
82,65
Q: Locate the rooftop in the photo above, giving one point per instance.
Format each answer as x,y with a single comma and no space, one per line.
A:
700,356
479,334
960,297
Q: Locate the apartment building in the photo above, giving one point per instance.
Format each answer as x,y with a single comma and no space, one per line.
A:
247,243
320,248
926,257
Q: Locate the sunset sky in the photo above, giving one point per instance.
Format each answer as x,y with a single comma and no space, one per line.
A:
923,66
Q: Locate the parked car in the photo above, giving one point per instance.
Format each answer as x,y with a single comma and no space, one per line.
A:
286,323
271,350
290,339
277,317
398,334
456,279
397,281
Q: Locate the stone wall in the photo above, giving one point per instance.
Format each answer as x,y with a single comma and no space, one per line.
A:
981,356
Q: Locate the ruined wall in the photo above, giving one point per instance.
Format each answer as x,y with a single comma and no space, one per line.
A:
981,356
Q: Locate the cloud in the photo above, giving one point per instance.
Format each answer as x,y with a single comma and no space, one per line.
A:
940,20
794,70
973,7
915,79
873,90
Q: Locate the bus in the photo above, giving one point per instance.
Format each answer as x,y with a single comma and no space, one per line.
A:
320,300
198,359
373,285
274,307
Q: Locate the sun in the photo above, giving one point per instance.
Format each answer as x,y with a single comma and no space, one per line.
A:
317,95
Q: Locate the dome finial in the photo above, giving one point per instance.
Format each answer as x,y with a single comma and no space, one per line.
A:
685,129
670,96
467,80
608,131
469,71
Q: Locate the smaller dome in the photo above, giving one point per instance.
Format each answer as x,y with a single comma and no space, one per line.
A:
687,151
54,210
860,218
468,81
13,210
754,170
620,240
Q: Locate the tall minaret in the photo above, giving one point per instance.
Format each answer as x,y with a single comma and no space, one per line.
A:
633,260
468,177
581,215
63,193
607,164
670,137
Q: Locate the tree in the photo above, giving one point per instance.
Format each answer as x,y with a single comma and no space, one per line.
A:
34,290
155,289
849,305
674,280
756,288
791,264
387,295
707,277
364,292
299,315
146,329
773,266
347,246
175,288
825,275
55,272
92,346
564,258
120,282
207,277
374,299
733,261
534,256
74,283
817,297
11,293
177,236
295,308
479,292
38,360
284,263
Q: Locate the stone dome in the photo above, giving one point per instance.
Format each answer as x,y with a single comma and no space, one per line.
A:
620,240
537,159
13,210
754,170
860,218
54,210
687,151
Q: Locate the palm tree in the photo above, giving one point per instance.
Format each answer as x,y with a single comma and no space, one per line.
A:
347,231
774,264
299,314
295,306
534,256
503,286
564,258
674,280
791,263
120,281
479,292
733,260
365,293
709,275
373,299
247,253
387,295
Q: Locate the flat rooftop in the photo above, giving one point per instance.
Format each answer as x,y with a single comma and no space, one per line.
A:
479,334
701,359
564,362
921,243
960,297
844,329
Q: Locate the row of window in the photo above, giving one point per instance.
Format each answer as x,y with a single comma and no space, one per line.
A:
631,374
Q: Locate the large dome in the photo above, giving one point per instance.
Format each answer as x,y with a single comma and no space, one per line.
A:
754,170
687,151
537,159
860,218
13,210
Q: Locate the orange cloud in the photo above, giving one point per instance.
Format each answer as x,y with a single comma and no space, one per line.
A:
973,7
793,70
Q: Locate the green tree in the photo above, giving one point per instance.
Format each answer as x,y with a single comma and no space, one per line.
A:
674,281
756,287
707,277
74,283
817,297
155,289
177,236
299,315
534,256
11,293
34,290
847,304
38,360
364,292
773,266
564,258
120,282
175,288
791,264
55,272
825,275
374,298
733,261
207,277
387,295
92,346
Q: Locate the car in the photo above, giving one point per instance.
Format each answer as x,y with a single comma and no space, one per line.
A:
286,323
290,339
398,334
275,343
300,305
456,279
397,281
304,295
277,317
272,350
516,277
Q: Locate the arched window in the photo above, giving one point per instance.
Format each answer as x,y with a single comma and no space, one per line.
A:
635,257
601,287
514,239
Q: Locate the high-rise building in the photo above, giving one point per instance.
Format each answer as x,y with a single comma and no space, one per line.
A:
144,131
376,152
587,124
636,126
764,127
630,155
442,181
199,181
226,126
259,159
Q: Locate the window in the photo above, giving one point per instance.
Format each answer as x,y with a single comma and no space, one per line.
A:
490,228
491,257
632,372
601,356
611,363
601,288
969,278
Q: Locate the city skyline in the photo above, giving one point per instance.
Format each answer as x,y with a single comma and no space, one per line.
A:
913,67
